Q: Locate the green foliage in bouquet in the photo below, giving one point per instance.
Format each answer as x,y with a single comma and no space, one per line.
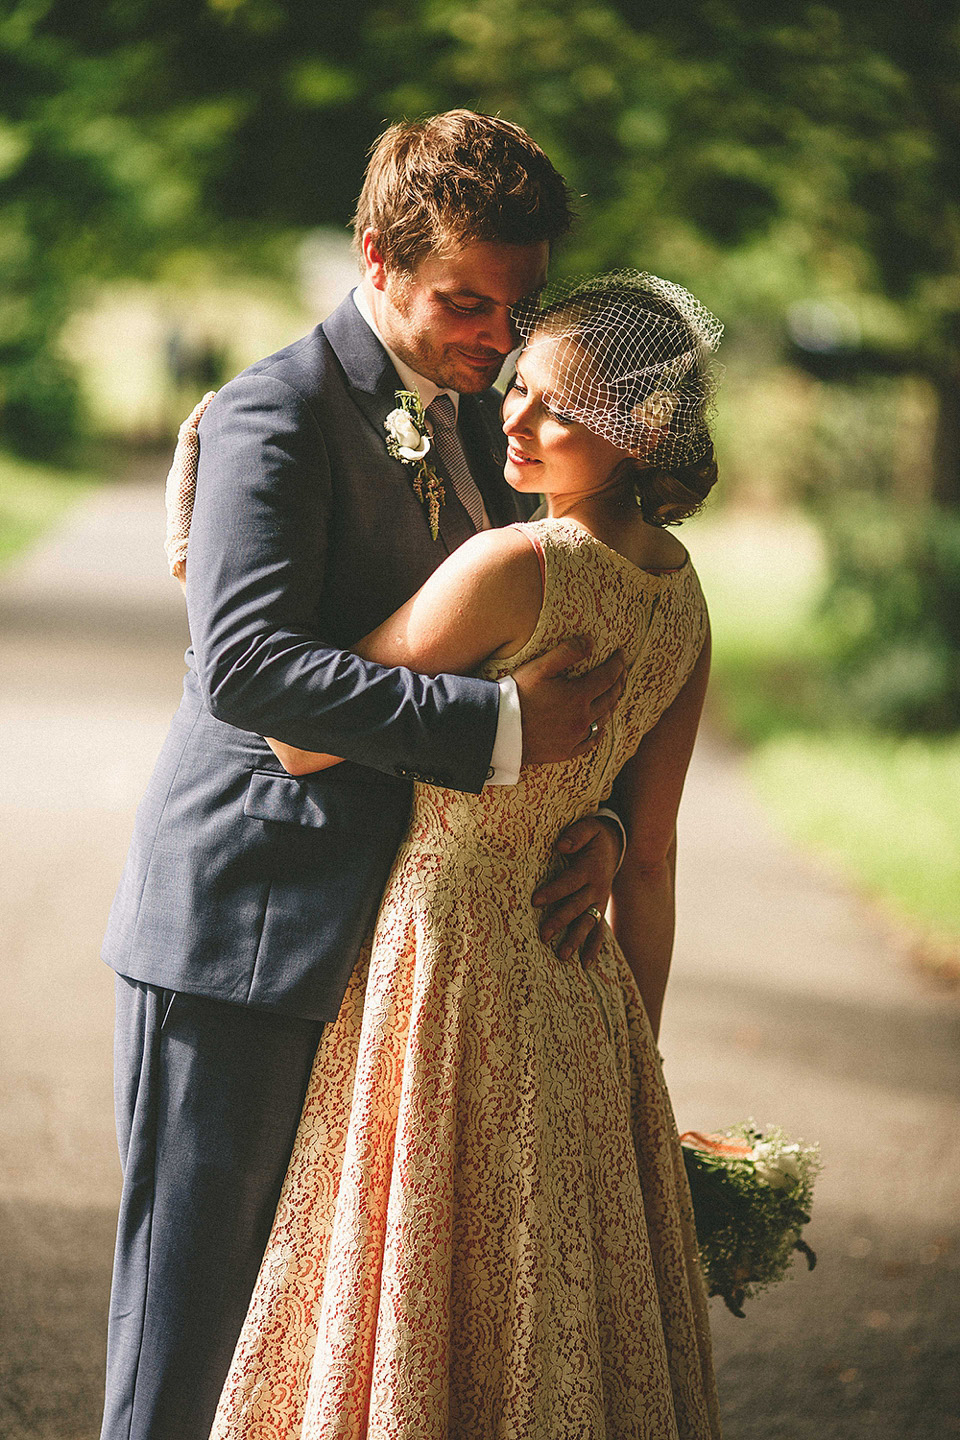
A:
752,1193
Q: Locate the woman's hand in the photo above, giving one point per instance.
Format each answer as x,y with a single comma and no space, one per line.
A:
301,762
181,488
591,849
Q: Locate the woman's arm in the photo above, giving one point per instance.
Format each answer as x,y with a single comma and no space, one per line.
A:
482,601
255,581
649,789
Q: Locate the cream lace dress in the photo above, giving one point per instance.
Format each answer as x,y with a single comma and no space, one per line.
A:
485,1231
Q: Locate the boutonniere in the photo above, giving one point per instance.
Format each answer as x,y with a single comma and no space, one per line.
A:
408,441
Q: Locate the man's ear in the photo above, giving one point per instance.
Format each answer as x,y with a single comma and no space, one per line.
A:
375,269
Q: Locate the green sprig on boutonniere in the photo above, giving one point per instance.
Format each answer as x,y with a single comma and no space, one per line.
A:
408,440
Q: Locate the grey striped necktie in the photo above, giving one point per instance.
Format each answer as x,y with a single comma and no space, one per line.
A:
441,416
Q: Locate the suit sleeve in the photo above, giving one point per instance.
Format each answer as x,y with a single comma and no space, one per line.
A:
258,539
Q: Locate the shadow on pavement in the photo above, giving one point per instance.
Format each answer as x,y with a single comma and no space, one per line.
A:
866,1347
55,1264
841,1039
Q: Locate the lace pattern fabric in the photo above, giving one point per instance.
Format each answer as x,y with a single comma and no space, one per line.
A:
485,1231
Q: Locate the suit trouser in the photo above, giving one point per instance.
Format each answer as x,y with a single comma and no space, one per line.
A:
208,1097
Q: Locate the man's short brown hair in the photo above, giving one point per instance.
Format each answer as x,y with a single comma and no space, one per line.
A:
458,178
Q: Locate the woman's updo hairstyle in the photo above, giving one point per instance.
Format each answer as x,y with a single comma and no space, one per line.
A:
631,360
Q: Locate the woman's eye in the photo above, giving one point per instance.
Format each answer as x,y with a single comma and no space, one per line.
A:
518,385
562,419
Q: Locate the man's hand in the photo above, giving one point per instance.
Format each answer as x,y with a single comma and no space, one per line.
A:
562,716
591,849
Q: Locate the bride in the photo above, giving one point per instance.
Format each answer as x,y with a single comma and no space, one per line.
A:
485,1229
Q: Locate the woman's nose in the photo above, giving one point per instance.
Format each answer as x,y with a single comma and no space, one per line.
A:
516,414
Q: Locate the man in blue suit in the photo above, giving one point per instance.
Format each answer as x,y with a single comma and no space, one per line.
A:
248,891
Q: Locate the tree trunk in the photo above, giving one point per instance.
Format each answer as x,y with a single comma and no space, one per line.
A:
946,437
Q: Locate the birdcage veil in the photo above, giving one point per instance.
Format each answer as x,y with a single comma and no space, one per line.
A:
629,356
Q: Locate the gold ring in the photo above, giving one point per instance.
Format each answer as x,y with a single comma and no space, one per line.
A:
592,910
594,727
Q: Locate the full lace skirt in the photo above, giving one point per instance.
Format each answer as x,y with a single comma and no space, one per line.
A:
485,1231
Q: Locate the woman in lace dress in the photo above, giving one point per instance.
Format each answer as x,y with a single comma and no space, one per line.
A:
485,1230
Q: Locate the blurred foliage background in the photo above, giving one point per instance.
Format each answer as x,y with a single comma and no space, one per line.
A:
176,174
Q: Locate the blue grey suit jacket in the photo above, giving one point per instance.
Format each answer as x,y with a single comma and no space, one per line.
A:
244,883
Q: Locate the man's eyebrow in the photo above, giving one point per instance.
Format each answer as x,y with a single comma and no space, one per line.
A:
465,294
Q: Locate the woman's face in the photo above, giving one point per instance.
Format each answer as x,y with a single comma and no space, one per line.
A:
548,452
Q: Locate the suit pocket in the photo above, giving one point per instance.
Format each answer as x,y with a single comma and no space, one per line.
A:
283,799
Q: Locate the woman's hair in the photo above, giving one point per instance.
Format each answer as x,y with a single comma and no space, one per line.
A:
631,360
456,179
668,497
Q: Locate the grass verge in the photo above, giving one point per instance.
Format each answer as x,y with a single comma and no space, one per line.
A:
884,812
32,498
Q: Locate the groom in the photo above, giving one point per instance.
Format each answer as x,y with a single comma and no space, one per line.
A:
248,891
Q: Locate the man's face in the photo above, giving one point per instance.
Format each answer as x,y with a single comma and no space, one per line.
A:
449,319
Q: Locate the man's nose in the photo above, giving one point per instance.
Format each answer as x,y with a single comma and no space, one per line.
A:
499,332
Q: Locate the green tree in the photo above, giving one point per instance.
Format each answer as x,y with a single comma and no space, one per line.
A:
764,152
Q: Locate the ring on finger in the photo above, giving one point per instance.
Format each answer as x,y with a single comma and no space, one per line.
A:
595,912
594,728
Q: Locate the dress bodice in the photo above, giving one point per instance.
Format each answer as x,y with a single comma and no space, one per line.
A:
658,620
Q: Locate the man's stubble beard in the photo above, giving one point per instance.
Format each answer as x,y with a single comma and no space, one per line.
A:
441,366
412,344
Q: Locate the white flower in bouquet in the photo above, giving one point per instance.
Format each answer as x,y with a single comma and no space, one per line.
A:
751,1194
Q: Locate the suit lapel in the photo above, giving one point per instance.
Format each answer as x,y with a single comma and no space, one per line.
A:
373,384
371,377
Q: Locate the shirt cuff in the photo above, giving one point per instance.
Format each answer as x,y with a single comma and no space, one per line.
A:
508,746
612,815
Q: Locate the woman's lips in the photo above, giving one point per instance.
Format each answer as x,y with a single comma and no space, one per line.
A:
517,457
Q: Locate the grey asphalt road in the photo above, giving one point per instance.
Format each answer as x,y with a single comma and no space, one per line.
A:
790,1002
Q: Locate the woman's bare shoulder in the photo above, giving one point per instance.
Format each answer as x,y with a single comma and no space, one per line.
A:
503,557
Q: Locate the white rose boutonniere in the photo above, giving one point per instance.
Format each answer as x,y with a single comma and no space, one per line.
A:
411,444
777,1167
408,441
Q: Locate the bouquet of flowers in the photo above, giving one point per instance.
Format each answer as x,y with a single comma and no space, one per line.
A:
752,1192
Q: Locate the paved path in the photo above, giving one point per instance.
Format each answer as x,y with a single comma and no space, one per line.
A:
788,1002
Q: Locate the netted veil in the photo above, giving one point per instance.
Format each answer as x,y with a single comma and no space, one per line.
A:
629,357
